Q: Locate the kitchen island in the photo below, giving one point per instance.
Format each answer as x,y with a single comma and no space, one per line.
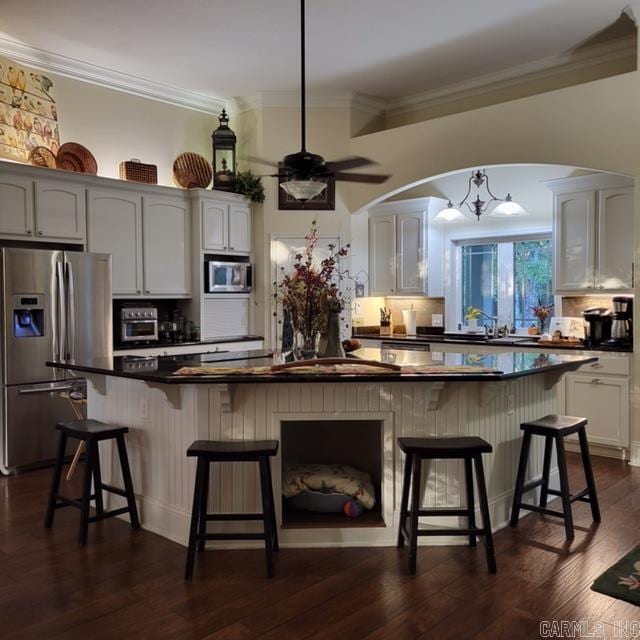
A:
318,416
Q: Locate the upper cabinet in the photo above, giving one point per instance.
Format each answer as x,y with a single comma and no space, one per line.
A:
410,249
593,234
16,206
226,228
382,255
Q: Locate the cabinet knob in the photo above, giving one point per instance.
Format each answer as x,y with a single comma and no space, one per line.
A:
232,248
40,233
138,291
29,232
596,381
589,286
224,248
601,286
147,291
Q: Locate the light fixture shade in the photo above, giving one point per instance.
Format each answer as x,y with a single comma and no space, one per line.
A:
303,189
449,214
508,208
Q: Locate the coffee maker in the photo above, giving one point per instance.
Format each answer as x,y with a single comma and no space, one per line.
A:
598,326
622,324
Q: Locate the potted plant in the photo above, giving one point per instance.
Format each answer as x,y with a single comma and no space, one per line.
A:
250,186
472,316
542,312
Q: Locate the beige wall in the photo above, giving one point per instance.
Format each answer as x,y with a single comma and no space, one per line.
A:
117,126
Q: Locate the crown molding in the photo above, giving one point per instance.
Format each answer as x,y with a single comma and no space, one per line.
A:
103,77
279,99
567,62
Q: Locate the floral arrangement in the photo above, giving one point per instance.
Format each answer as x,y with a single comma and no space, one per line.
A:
311,292
542,312
472,313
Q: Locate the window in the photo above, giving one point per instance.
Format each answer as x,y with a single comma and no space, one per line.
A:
506,279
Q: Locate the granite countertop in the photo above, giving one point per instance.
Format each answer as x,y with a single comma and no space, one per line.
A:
480,339
158,345
498,366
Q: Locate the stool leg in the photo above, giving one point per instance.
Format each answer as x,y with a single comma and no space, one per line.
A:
86,492
55,480
415,508
468,477
204,505
267,509
195,510
564,488
274,522
97,479
128,484
546,469
520,478
588,474
484,509
404,503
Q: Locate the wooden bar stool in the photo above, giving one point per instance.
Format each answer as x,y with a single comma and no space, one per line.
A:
469,449
208,451
91,432
555,428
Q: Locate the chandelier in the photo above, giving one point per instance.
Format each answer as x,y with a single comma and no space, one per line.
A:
507,207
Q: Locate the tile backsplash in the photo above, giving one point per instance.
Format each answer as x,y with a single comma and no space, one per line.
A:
368,309
573,306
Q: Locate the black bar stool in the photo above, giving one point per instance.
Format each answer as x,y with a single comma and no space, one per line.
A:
91,432
461,448
208,451
555,429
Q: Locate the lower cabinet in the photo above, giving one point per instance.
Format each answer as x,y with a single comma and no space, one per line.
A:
225,315
604,401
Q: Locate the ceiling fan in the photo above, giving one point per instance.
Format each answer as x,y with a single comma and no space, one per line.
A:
305,172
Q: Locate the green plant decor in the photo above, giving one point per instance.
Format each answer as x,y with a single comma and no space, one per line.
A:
250,186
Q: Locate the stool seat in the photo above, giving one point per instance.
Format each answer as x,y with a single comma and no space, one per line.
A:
552,424
89,428
234,450
445,447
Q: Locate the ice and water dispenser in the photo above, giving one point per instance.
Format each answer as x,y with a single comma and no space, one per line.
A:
28,315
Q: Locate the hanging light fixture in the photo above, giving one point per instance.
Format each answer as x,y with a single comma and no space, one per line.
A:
506,208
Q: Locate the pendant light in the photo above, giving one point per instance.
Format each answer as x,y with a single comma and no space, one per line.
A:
450,214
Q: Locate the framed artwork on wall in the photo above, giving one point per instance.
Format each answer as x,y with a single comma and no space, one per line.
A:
326,201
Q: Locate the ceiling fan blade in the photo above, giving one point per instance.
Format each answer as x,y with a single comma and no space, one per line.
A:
348,163
371,178
256,160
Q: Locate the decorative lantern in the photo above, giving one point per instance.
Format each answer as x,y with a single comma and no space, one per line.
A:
224,155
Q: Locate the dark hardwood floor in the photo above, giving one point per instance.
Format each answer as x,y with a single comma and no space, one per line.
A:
128,584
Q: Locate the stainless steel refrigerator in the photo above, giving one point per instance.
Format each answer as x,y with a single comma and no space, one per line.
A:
56,305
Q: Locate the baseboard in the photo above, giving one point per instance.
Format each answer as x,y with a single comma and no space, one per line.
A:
634,458
600,450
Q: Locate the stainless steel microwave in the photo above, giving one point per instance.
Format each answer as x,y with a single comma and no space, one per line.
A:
228,277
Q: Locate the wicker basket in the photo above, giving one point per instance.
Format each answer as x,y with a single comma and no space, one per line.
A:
137,171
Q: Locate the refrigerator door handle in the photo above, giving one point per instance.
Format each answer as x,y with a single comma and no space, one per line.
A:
24,392
61,314
71,314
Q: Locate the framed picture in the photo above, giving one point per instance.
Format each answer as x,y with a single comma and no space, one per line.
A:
326,201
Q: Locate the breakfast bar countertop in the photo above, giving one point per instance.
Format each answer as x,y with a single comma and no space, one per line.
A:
251,367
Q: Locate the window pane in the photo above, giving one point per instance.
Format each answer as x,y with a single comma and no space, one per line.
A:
480,279
532,279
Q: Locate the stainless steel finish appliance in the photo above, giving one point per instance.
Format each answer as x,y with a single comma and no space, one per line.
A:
622,324
597,325
228,277
138,324
56,305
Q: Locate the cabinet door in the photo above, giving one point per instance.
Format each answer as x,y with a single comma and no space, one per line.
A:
60,210
166,247
115,226
225,316
382,255
215,232
574,246
604,401
16,206
410,253
615,239
239,229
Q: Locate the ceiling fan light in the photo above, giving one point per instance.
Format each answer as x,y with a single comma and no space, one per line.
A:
508,208
303,190
449,214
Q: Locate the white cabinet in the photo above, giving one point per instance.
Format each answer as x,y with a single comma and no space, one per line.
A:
225,228
16,206
166,247
409,245
115,227
593,234
604,401
225,315
60,210
382,255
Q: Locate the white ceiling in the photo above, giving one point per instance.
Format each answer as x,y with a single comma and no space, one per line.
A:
235,48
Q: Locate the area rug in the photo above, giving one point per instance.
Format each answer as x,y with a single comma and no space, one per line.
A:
622,580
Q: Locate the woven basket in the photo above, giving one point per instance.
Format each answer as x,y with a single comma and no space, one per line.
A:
137,171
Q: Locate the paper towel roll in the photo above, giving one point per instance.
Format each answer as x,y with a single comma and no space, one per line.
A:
409,321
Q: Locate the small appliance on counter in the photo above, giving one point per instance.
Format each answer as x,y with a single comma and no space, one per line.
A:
622,322
567,327
598,326
138,325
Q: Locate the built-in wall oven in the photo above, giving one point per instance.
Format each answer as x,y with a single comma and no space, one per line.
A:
138,324
227,277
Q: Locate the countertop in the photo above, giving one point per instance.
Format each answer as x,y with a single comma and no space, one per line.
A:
158,345
499,366
480,339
